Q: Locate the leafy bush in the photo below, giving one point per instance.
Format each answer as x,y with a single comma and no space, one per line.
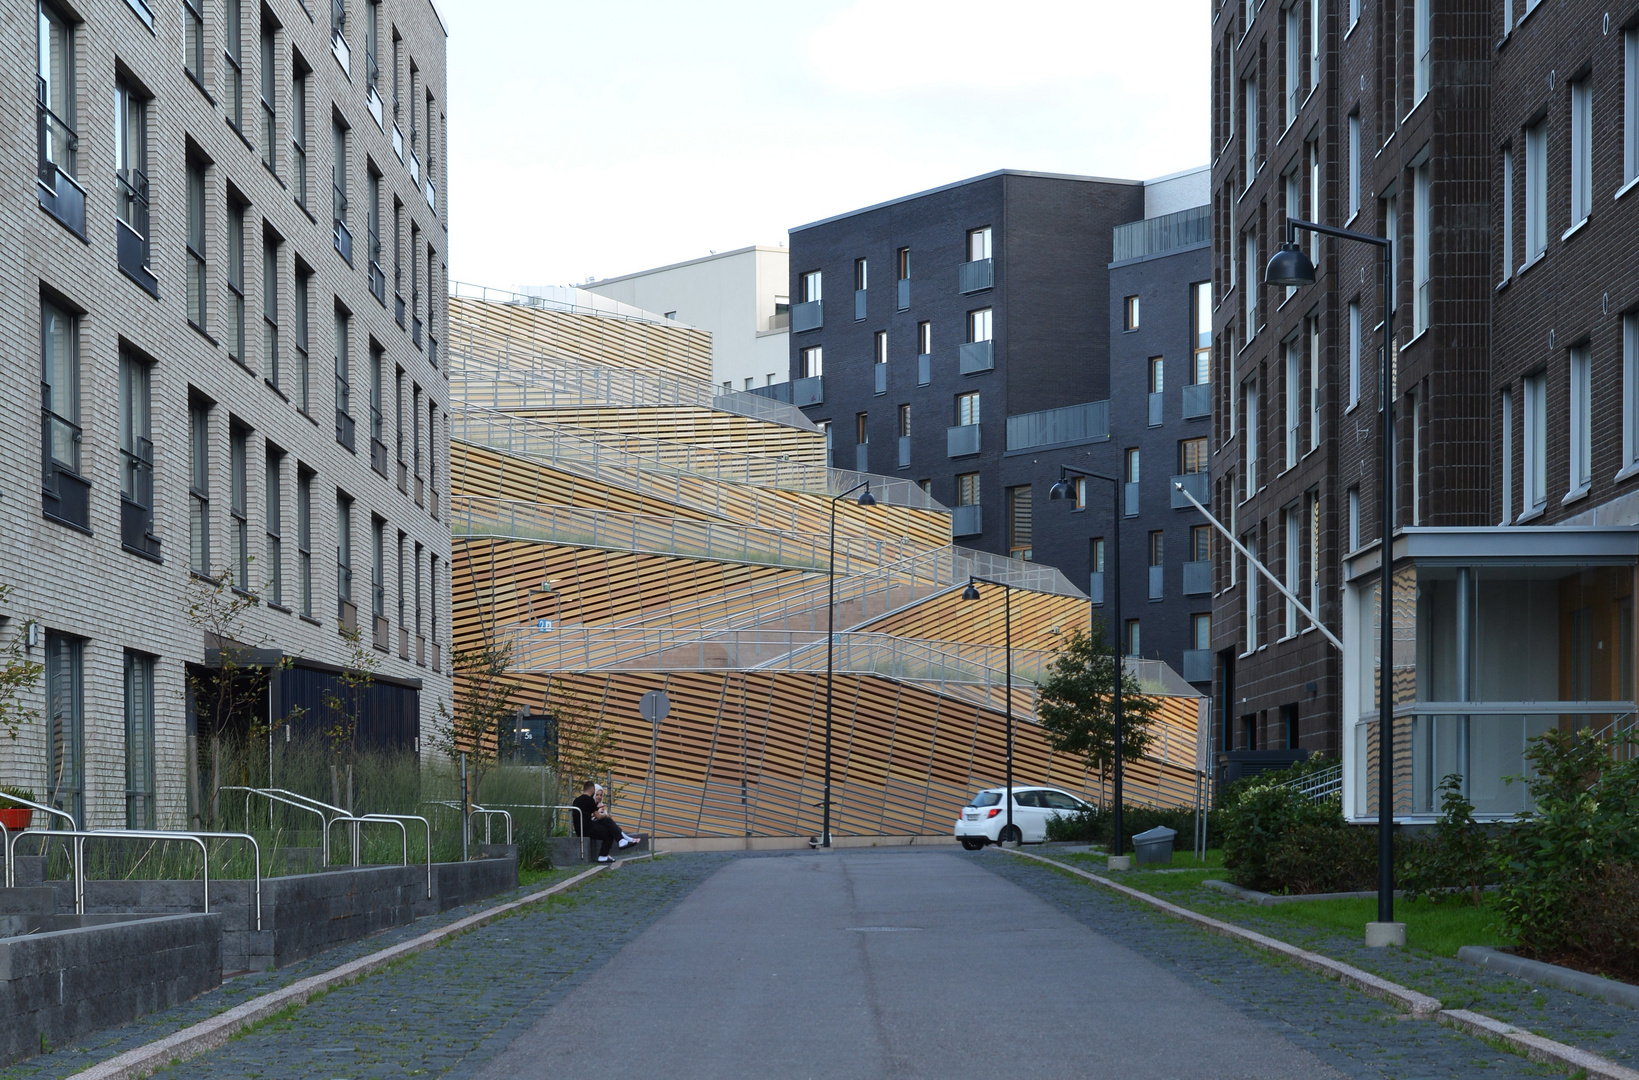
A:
1457,858
1323,858
1097,826
1569,867
1263,818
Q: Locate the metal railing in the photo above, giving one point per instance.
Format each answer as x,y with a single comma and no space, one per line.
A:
1072,423
330,815
51,811
1168,232
1317,786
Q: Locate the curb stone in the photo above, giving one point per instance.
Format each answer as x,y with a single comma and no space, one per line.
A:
209,1034
1420,1006
1535,971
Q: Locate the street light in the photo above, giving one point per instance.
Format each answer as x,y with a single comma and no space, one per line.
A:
1062,490
972,593
865,499
1292,268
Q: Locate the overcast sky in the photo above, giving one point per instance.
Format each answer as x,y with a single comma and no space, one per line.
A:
596,139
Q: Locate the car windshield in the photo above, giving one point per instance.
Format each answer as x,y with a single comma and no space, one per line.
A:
1059,800
986,798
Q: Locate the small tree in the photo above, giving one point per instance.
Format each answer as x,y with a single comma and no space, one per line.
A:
341,714
484,709
1076,704
586,748
17,674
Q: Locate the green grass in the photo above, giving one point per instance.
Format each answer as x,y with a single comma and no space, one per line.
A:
547,877
1440,929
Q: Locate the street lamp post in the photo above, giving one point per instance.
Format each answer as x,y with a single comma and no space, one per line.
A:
972,593
1291,267
1062,490
865,499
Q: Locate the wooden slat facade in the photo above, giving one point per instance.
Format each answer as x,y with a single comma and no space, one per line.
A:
501,328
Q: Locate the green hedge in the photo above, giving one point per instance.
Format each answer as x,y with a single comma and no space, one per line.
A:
1097,826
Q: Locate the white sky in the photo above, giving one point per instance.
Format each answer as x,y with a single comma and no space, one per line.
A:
597,139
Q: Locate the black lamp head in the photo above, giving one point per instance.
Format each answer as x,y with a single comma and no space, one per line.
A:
1060,490
1290,266
866,498
970,593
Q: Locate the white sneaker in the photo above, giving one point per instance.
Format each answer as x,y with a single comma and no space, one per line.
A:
604,858
628,839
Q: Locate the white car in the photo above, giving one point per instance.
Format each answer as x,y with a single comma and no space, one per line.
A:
984,819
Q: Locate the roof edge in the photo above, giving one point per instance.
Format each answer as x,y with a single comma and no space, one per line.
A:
963,183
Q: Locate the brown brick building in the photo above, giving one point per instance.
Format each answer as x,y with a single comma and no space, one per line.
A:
1494,148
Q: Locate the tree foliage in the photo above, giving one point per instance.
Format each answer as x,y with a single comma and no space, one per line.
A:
586,746
17,674
342,709
1076,704
485,707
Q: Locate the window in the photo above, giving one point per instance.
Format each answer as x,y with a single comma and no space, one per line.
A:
1294,210
344,385
1420,226
860,275
1250,542
270,142
65,724
1132,465
345,611
1096,555
1354,353
1630,106
372,50
1354,162
199,489
1249,91
139,741
131,170
1249,410
924,338
1129,317
862,428
378,431
967,409
236,280
1354,519
1253,275
1535,471
1290,75
273,511
298,133
978,244
233,24
1200,543
1157,375
904,263
1507,456
882,346
1200,631
59,391
239,505
415,423
372,194
1018,522
378,572
811,287
304,539
193,39
55,92
967,489
1536,190
1078,493
402,609
904,421
1294,392
1314,383
432,603
1192,455
813,362
1293,522
304,282
136,449
270,309
978,325
1132,638
338,187
1421,35
1579,429
1507,212
418,600
1158,548
1581,149
1201,299
196,244
1630,390
432,443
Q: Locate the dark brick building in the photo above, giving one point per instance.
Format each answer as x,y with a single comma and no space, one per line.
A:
977,336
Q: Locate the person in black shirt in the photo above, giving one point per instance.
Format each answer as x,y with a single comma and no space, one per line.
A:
594,821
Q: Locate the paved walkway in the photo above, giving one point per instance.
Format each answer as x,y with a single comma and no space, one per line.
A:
838,965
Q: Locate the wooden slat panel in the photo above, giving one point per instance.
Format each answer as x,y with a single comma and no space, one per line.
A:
492,327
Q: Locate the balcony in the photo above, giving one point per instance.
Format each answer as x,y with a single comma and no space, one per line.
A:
1197,401
881,378
437,655
133,257
61,197
344,429
1129,500
1095,586
398,310
398,142
378,456
1197,665
1158,582
378,277
965,521
347,614
806,317
1086,422
339,49
372,100
137,504
924,369
403,478
415,330
975,357
780,320
962,440
415,163
343,238
382,633
862,457
432,195
904,451
421,650
131,229
809,391
403,643
420,491
432,500
904,297
1195,483
1158,409
975,276
66,496
859,304
1198,578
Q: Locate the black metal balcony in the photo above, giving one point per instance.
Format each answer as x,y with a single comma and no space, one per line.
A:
904,297
137,501
962,440
975,276
1197,400
1195,483
131,229
859,304
65,495
806,316
881,378
344,429
59,194
809,391
976,356
966,520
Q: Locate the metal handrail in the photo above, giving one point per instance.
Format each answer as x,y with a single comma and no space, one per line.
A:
474,808
379,819
269,794
425,824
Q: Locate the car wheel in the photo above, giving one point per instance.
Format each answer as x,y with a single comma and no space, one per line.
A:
1010,834
973,843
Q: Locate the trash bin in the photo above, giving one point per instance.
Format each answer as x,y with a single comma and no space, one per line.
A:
1154,846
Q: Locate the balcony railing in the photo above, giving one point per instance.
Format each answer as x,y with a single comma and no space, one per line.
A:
131,195
1197,400
924,369
809,391
415,162
1197,665
137,500
1197,578
1095,586
343,235
862,457
1158,409
398,141
1158,582
1195,483
965,520
340,50
378,276
904,451
806,316
975,356
398,309
372,97
344,429
881,374
975,276
378,456
1129,499
904,296
780,320
58,147
962,440
1169,232
859,304
67,495
432,193
1051,427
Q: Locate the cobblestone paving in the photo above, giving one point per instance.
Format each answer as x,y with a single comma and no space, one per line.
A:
1359,1036
102,1045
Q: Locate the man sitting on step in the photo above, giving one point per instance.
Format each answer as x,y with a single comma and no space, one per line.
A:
593,821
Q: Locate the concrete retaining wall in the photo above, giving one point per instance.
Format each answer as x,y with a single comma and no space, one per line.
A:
62,984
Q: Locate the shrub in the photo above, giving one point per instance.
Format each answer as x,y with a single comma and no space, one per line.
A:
1263,817
1601,930
1097,826
1457,858
1323,858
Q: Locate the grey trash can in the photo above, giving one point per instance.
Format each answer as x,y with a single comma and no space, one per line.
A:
1154,846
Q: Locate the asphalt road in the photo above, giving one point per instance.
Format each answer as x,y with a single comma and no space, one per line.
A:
877,964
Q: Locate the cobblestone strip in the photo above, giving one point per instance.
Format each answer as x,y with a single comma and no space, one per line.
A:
1422,1006
212,1033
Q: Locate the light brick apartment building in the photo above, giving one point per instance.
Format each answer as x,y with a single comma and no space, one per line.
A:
222,314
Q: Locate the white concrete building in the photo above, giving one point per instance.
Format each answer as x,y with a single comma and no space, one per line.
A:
740,296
